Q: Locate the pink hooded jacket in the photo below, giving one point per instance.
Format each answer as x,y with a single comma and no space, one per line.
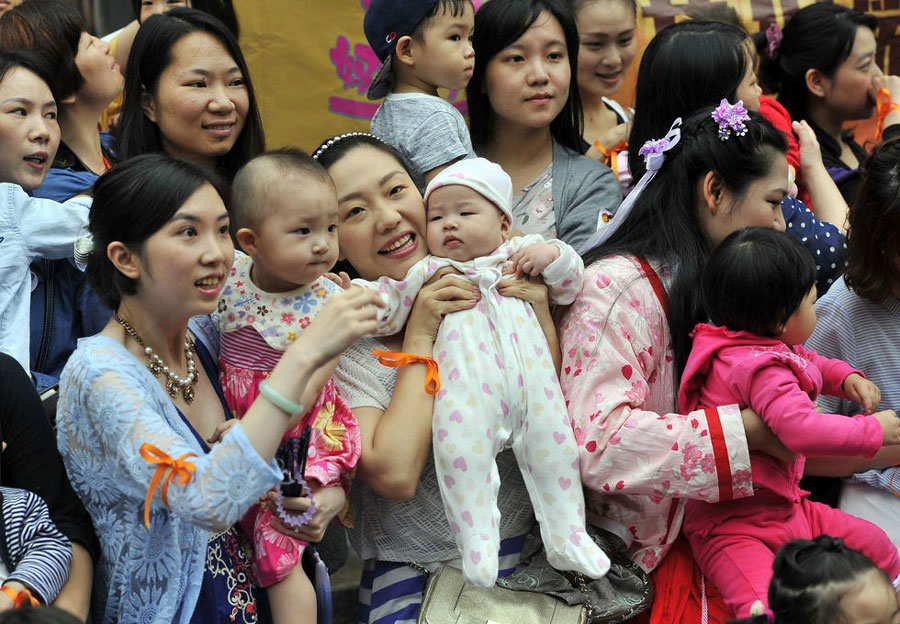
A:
780,383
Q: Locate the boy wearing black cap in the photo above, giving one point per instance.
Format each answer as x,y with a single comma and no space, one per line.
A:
423,45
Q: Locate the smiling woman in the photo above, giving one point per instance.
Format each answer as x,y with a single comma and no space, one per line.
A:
145,391
608,45
188,93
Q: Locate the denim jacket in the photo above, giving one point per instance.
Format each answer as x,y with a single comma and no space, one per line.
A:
30,228
64,307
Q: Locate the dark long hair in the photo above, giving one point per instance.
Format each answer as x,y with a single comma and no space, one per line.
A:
131,203
150,55
664,222
498,24
223,10
756,279
686,66
873,242
819,36
810,578
51,30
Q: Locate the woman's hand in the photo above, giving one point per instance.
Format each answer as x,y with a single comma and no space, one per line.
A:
610,139
889,82
534,291
892,84
329,502
345,318
443,294
761,438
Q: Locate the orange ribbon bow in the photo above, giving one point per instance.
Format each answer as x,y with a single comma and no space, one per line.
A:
885,106
21,597
178,469
395,359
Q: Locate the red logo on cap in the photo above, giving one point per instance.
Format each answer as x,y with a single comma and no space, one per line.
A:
390,37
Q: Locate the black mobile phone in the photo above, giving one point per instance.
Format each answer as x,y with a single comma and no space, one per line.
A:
292,458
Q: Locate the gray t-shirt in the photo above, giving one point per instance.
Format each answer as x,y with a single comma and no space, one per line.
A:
427,130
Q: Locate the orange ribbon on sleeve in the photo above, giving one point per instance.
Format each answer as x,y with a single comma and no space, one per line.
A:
21,597
396,359
885,106
178,469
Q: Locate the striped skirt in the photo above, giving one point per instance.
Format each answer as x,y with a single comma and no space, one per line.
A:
392,592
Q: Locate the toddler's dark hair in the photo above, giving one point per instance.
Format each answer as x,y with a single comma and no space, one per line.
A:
810,578
453,7
756,279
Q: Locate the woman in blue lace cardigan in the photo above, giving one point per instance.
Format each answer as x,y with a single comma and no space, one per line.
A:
143,428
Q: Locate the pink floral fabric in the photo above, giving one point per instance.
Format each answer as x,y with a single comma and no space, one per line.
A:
256,327
639,460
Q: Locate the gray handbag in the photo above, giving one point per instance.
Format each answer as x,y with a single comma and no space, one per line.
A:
536,593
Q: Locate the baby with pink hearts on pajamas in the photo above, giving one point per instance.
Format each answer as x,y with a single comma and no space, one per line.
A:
499,386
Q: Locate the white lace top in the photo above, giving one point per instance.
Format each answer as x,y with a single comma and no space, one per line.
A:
416,530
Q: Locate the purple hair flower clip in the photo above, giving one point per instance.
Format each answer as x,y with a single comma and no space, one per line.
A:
731,118
654,151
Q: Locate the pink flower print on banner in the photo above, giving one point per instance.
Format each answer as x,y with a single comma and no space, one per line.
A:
356,70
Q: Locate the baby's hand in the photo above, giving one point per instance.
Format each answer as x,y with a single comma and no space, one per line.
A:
810,153
890,425
862,391
533,259
341,279
221,430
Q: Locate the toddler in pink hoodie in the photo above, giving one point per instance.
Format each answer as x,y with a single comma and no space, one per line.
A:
759,290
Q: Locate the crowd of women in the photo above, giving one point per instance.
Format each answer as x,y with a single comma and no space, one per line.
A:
148,475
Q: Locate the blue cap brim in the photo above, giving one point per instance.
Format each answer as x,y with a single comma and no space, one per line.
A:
383,81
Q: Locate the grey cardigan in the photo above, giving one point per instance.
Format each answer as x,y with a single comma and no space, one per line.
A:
582,189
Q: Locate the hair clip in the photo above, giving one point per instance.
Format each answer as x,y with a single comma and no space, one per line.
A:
773,40
324,147
654,153
731,118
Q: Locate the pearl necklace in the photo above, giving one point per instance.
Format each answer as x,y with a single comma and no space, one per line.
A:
174,383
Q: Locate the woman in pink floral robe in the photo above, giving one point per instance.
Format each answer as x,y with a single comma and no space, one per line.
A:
624,336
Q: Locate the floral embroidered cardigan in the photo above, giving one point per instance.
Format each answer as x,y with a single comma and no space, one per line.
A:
109,406
640,461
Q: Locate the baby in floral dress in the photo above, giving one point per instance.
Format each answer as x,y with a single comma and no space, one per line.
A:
284,212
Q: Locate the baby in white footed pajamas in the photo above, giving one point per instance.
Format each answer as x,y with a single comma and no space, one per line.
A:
499,386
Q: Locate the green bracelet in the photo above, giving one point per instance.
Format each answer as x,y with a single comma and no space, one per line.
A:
282,403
